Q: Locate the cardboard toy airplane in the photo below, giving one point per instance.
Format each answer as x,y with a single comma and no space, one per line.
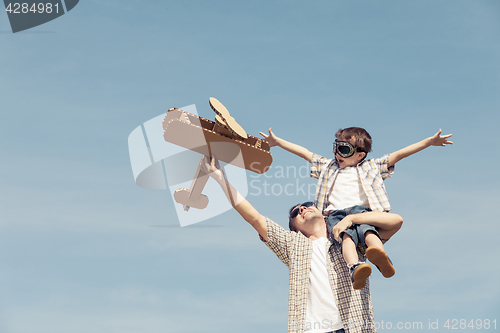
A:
225,139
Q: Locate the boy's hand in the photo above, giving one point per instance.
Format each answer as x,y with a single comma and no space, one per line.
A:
344,224
271,138
300,151
440,140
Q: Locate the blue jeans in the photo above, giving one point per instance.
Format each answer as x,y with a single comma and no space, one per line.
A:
356,231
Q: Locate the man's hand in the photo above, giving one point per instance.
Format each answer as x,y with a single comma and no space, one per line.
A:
344,224
212,167
440,140
272,139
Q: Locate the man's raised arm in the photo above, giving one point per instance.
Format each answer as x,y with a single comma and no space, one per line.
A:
387,223
240,204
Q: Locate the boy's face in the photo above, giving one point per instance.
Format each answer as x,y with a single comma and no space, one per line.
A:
349,161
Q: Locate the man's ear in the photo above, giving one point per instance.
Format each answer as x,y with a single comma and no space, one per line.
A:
361,156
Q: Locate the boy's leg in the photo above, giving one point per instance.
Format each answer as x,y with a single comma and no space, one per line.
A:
349,239
331,220
349,250
360,271
372,239
376,254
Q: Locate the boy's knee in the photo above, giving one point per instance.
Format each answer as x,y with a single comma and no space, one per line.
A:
346,236
399,222
371,233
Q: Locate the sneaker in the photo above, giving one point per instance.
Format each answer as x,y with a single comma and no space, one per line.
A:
379,258
359,273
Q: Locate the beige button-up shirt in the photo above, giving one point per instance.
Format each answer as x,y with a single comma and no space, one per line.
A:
372,173
295,250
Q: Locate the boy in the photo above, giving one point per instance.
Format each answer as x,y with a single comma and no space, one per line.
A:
350,184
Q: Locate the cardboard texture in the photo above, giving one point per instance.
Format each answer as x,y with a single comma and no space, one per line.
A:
198,134
224,138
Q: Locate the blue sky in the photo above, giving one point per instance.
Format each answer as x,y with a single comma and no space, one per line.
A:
84,249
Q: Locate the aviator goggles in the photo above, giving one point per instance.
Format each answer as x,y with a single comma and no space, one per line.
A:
296,210
345,149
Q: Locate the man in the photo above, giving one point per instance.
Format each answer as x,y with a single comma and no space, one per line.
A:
321,298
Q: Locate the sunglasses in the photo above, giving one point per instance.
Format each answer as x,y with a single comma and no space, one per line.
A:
345,149
296,210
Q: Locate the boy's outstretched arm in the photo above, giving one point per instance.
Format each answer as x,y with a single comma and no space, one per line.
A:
300,151
435,140
240,204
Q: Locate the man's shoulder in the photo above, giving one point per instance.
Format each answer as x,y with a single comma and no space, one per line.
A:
277,232
284,243
275,227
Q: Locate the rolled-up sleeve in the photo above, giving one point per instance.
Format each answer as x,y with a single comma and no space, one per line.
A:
383,165
279,240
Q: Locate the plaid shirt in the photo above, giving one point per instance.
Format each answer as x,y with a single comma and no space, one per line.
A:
371,172
295,250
